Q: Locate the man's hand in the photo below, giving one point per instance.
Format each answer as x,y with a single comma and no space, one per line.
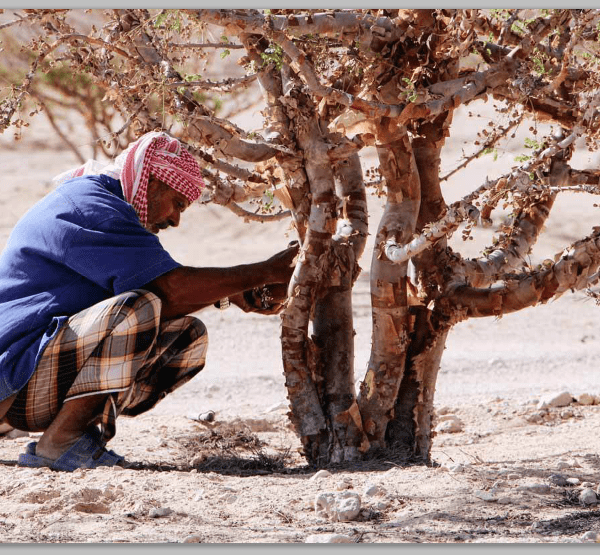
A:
268,299
282,264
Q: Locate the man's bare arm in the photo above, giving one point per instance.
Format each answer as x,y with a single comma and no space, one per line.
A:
187,289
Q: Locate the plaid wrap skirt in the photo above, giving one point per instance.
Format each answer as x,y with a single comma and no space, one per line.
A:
117,347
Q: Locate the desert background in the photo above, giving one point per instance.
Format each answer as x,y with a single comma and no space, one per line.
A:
512,464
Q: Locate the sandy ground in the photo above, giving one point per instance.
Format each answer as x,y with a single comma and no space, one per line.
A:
240,478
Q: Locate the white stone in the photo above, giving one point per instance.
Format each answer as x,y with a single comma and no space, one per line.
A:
504,500
573,481
450,425
585,399
193,539
485,496
328,538
320,475
561,400
199,496
160,512
587,485
588,496
535,488
382,505
14,434
590,537
456,468
338,506
343,484
207,416
373,489
571,463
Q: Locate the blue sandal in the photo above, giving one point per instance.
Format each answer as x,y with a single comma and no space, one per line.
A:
87,452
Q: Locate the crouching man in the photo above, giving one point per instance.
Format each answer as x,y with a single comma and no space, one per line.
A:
94,313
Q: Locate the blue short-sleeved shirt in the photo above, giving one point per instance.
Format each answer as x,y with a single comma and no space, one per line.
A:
79,245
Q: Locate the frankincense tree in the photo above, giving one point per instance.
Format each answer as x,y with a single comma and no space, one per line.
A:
332,83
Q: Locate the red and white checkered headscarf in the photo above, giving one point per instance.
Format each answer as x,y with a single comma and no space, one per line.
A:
157,154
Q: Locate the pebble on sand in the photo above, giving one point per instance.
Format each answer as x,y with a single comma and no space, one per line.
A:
451,424
193,539
585,399
320,475
373,490
590,537
588,496
160,512
561,400
328,538
338,506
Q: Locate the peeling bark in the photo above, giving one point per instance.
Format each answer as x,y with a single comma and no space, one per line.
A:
410,431
333,320
300,355
391,321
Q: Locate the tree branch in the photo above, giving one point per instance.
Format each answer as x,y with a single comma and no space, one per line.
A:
254,217
576,268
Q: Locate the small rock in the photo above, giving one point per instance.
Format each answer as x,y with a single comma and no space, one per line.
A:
535,418
445,417
373,489
328,538
513,476
160,512
561,400
585,399
320,475
456,468
587,485
343,484
208,416
566,414
573,481
591,537
338,507
558,480
535,488
91,508
504,500
588,496
193,539
571,463
199,496
382,505
443,410
486,495
14,434
450,425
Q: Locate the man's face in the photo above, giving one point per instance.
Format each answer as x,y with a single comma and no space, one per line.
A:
165,206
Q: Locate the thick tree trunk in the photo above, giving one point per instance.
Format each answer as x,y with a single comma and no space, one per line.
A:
410,432
333,322
391,321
